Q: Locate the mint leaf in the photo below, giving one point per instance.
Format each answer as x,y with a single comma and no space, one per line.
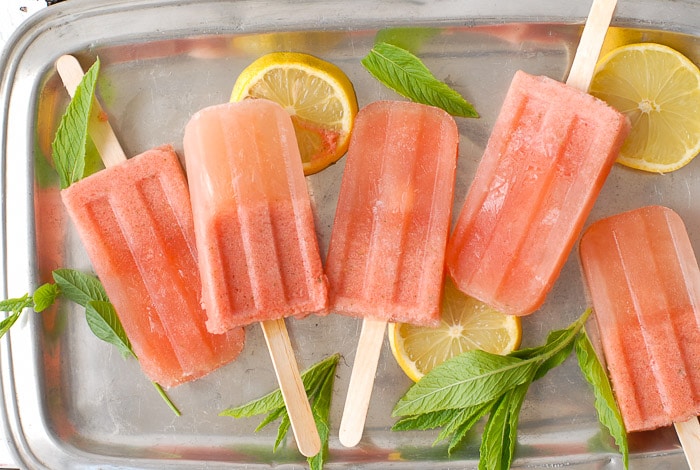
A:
410,39
608,412
45,296
404,73
7,322
318,383
79,287
71,137
500,433
424,421
166,398
16,305
104,323
469,379
463,422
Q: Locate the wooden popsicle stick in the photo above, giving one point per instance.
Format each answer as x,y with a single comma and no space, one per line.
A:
590,44
275,331
300,416
101,131
689,435
364,369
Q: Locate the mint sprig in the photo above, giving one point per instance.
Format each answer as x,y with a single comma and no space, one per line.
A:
85,290
69,144
456,394
404,73
318,382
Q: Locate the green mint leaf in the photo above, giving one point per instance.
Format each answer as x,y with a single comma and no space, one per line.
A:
7,322
463,421
104,323
71,137
79,287
500,433
321,409
282,431
271,417
404,73
410,39
45,296
16,305
425,421
469,379
608,412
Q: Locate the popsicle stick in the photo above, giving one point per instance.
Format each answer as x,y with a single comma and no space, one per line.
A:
292,387
275,331
689,435
590,44
364,369
101,131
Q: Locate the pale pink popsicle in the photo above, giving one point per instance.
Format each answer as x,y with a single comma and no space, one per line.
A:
258,254
548,156
387,247
644,281
135,222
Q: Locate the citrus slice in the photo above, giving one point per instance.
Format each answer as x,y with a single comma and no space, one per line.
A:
466,324
658,88
317,94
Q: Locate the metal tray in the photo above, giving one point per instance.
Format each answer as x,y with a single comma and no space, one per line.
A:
71,401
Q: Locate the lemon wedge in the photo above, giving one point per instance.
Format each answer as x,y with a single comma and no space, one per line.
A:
658,88
466,324
317,94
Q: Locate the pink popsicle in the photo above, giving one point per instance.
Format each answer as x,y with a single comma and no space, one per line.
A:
386,256
258,254
135,222
550,151
644,281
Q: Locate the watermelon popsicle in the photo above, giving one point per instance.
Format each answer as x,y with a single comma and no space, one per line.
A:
644,282
386,255
549,153
135,221
258,254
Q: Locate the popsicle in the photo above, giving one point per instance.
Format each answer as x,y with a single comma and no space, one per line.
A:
258,254
386,255
549,153
135,221
644,282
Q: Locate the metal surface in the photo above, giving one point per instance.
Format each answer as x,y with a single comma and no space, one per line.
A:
71,401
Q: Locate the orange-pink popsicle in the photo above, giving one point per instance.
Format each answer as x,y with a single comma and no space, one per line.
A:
644,282
136,224
258,253
550,151
386,254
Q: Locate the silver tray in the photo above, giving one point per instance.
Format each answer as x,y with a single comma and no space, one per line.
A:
71,401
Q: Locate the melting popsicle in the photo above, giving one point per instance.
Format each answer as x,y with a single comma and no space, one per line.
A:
135,221
386,255
644,282
258,254
549,153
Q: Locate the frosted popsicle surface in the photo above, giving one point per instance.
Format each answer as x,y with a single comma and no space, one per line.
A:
135,222
549,154
387,247
258,253
644,281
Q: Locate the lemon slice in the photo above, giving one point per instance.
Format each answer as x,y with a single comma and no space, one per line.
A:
317,94
466,324
658,88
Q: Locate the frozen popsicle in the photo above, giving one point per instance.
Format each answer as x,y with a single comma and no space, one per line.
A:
135,221
386,255
644,282
549,153
258,254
